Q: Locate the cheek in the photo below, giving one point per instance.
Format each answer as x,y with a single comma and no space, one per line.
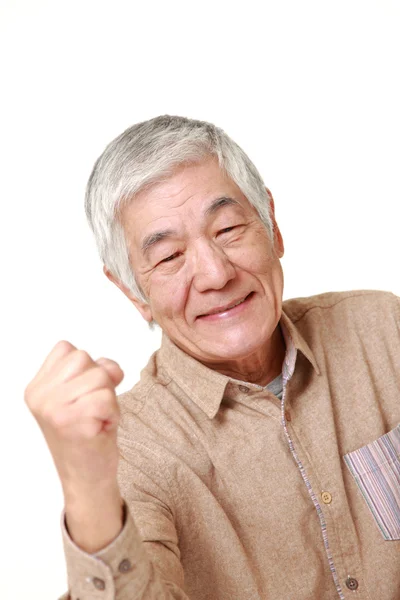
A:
264,264
258,258
167,296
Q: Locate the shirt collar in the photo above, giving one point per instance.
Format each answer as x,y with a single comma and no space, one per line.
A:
205,386
293,335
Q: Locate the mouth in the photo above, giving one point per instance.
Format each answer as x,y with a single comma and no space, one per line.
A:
227,307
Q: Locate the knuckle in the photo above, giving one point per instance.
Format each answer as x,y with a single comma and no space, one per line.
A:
32,399
105,403
63,346
101,377
81,359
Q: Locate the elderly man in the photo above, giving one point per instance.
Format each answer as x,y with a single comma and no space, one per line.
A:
258,456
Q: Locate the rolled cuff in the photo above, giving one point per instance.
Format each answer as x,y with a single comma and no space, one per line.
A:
104,575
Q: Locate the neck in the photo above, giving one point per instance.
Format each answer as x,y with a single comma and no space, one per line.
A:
261,367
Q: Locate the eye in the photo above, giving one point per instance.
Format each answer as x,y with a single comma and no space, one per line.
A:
227,229
170,258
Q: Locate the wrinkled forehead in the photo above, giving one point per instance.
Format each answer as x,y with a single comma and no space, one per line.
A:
192,192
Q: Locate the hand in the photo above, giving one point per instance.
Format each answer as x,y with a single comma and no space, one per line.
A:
73,400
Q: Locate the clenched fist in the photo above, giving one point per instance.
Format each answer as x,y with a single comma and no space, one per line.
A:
73,400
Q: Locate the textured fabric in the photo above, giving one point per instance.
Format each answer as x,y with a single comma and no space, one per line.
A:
376,469
235,494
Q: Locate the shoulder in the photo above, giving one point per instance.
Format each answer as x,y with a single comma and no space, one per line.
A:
347,320
347,330
339,304
152,381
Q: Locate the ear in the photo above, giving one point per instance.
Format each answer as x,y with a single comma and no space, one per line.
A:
278,240
142,307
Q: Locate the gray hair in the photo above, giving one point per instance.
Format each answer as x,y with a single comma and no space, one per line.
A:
145,154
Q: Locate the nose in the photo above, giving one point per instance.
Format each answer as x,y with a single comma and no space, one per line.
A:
212,268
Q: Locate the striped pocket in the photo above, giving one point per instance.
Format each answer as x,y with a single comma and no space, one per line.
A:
376,469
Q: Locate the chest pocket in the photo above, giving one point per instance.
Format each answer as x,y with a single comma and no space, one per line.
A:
376,470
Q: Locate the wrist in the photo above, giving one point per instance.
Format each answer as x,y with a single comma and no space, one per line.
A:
81,493
94,522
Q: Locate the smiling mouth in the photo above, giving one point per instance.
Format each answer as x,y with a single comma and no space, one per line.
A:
226,308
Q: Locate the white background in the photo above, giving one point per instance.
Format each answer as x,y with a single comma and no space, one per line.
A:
309,89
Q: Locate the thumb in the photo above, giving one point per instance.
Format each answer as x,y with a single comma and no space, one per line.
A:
113,369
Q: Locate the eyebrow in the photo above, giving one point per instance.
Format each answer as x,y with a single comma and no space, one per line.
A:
219,203
154,238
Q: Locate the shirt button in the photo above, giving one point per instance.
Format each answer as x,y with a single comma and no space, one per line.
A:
288,416
351,583
326,497
125,566
244,389
98,583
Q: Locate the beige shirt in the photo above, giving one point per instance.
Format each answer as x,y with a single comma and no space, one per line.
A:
233,494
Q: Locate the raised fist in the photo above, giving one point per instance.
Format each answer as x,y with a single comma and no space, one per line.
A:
73,400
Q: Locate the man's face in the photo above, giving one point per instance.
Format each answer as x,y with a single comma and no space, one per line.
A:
206,264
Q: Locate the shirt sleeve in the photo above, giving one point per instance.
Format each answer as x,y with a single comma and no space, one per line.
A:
124,570
143,562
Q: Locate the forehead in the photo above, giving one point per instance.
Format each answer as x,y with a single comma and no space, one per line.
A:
179,199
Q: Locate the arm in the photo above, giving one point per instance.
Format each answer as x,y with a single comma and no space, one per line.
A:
73,400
